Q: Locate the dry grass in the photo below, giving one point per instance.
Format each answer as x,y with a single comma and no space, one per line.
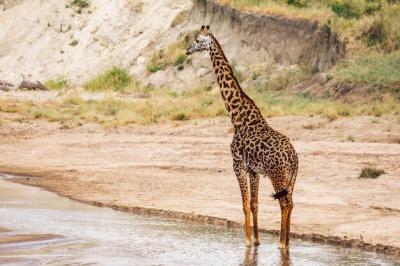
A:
316,11
368,172
163,104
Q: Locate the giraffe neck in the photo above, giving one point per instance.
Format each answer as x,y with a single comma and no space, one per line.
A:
242,110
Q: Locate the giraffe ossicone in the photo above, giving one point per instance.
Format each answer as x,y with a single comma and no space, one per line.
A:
257,149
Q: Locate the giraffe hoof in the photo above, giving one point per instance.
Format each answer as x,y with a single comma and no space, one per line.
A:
257,243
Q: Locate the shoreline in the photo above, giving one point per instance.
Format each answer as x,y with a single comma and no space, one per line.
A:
23,179
186,168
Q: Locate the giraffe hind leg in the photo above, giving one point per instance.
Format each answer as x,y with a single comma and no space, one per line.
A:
286,205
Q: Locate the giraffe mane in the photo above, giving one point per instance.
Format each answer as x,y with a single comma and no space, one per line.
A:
231,70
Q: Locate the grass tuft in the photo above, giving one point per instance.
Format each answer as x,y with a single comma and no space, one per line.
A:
115,79
173,55
80,3
371,69
56,84
368,172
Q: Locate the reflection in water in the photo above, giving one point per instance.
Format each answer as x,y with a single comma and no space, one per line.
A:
251,257
285,257
94,235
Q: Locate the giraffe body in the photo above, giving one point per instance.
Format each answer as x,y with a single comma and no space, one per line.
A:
257,149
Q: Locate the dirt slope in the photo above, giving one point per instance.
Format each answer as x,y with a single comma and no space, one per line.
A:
45,40
108,33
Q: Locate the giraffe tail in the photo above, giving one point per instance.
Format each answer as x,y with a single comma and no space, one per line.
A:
280,194
285,192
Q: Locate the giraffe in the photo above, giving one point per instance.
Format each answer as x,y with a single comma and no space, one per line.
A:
257,149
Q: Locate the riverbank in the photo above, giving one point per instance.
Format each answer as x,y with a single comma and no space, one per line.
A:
184,169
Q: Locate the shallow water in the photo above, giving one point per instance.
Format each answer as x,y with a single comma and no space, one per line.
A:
93,235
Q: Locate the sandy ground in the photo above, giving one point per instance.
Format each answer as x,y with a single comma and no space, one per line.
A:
186,167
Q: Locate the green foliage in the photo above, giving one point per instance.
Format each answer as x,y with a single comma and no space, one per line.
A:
173,55
371,68
56,84
384,31
180,60
180,116
372,6
368,172
298,3
115,79
80,3
348,8
153,68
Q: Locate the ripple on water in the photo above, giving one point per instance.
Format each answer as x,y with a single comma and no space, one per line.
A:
108,237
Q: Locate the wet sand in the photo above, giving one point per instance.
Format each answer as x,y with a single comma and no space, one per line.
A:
186,168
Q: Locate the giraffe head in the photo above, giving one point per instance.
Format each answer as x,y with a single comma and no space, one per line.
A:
201,42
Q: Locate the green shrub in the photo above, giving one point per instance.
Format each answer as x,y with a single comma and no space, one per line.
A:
180,116
348,8
384,31
180,60
298,3
153,68
80,3
173,55
371,6
372,68
115,79
56,84
368,172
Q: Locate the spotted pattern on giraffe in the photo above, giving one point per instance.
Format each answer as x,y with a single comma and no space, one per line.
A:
257,149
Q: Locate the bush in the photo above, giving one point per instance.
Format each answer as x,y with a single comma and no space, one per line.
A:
298,3
115,79
348,8
368,172
384,30
371,68
173,55
371,6
180,60
57,84
80,3
180,116
153,68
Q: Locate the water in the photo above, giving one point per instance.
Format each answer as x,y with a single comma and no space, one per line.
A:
93,235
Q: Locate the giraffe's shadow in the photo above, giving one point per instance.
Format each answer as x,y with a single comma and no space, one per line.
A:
251,257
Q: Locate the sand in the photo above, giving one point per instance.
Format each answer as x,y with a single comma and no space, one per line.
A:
186,167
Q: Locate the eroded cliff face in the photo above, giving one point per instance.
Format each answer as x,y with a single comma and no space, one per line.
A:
286,41
45,40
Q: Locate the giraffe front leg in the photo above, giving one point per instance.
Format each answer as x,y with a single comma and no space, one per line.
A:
242,179
254,183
